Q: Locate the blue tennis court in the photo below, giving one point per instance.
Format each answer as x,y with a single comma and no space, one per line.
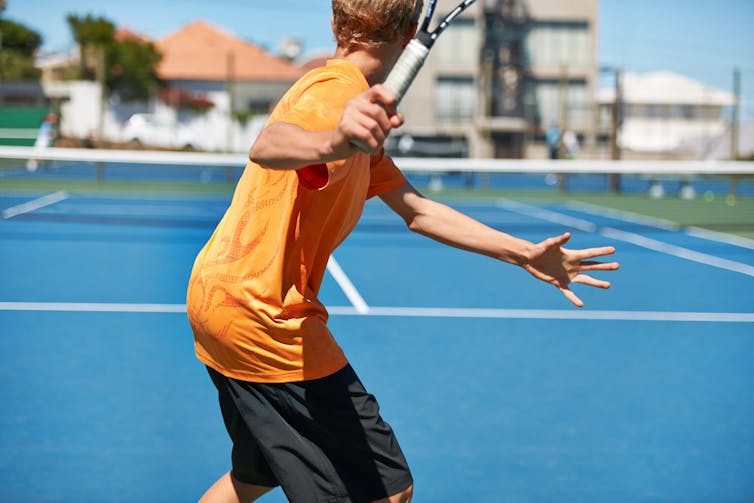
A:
498,389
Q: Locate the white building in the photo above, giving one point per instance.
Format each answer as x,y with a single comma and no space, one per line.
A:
663,112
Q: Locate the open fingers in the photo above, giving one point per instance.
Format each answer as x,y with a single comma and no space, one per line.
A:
588,253
598,266
556,241
571,296
588,280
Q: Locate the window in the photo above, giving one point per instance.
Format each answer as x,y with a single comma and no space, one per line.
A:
710,112
654,111
459,44
455,98
557,44
549,100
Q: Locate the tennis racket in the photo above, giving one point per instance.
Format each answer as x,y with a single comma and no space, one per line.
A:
414,56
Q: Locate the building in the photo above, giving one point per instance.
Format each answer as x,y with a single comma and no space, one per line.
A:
219,89
500,74
202,59
666,114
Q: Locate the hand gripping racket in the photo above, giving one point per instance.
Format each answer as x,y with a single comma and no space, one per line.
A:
414,56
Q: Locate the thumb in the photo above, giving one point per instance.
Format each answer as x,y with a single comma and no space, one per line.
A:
557,240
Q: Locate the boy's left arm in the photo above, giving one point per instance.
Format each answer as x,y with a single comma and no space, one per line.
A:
547,260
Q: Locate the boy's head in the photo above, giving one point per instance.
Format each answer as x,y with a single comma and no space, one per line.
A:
373,22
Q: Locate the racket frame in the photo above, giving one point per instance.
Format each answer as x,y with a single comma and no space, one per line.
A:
414,55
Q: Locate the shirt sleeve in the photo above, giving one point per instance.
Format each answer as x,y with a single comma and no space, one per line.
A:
319,106
385,175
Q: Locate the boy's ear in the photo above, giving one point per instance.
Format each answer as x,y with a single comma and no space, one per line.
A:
410,34
332,27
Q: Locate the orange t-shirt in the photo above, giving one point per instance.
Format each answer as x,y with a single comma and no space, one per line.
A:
252,297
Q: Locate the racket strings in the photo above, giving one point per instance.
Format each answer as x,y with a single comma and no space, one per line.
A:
446,21
428,16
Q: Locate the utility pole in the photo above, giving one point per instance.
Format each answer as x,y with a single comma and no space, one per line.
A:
2,98
231,91
614,178
563,98
734,127
100,70
563,101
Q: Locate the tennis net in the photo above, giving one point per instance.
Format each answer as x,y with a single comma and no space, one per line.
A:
715,195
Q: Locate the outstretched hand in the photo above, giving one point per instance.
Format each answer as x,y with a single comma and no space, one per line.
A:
560,267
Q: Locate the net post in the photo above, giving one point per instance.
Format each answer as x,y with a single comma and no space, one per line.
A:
562,182
614,180
733,185
100,170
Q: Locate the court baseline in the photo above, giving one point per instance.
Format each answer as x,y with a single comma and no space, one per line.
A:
411,312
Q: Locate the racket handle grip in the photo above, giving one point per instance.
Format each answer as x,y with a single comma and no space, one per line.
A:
401,76
405,69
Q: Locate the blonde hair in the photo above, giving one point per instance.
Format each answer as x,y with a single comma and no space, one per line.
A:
373,22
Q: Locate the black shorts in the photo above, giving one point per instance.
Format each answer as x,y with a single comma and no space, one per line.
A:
320,440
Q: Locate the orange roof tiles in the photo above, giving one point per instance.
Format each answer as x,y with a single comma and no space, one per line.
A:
122,34
199,51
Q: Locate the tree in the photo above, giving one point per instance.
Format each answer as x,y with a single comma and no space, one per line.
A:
91,34
19,44
130,65
132,69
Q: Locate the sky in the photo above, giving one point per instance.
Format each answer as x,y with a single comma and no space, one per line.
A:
702,39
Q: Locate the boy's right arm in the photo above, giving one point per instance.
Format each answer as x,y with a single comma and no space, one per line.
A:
368,117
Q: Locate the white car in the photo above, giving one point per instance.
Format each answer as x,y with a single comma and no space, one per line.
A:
153,131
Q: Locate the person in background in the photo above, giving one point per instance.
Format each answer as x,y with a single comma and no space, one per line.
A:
45,138
552,138
570,143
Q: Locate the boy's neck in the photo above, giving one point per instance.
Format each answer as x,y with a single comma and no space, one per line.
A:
374,62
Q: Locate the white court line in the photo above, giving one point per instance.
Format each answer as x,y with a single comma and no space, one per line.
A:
720,237
345,284
678,251
35,204
660,223
629,237
547,314
626,216
543,214
92,307
412,312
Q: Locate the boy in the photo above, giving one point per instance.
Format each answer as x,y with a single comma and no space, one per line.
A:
294,408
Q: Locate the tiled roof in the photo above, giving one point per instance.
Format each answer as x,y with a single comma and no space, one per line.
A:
200,51
122,34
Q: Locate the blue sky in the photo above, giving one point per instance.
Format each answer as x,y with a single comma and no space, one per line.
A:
703,39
